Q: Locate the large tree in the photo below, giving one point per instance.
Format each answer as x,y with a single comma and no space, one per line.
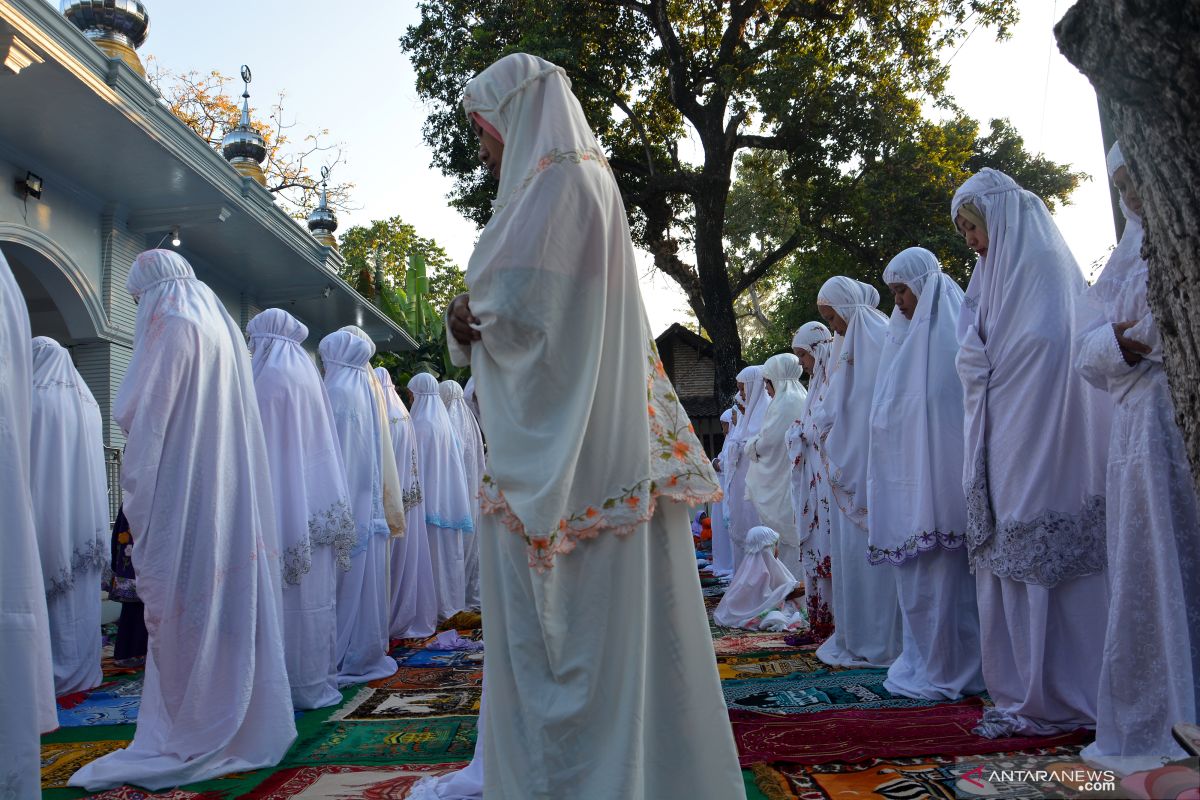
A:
1143,57
676,90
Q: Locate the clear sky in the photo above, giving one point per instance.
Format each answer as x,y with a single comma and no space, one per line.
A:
342,68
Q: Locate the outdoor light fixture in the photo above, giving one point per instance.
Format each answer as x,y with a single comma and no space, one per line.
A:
30,186
175,236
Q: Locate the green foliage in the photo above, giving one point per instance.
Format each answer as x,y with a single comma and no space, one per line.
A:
818,105
418,282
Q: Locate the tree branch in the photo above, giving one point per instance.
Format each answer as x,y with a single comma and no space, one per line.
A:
637,126
751,276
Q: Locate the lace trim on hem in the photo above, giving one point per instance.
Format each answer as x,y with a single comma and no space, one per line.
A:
333,527
914,546
466,524
414,495
1053,547
843,496
93,553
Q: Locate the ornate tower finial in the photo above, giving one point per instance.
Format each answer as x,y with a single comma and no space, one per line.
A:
243,146
118,27
322,221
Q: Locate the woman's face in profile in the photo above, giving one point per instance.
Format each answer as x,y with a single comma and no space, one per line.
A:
491,150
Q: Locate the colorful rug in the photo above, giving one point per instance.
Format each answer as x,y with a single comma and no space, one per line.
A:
131,793
440,658
743,642
810,692
430,678
60,760
380,705
113,703
858,735
937,777
430,741
768,666
343,781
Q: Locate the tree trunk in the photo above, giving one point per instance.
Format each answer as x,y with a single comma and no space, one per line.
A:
721,320
1143,57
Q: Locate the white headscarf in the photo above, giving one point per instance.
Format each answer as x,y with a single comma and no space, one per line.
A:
443,473
68,482
469,436
348,381
757,401
916,420
198,498
1034,481
802,441
768,478
24,624
312,503
845,412
761,583
567,364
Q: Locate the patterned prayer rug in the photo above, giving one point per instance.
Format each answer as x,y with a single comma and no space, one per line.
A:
380,705
114,703
859,735
821,691
768,666
440,658
430,741
743,642
341,781
61,759
430,678
132,793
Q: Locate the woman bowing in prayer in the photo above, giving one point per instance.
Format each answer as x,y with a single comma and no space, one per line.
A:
466,427
363,594
867,612
813,345
757,598
448,515
312,503
414,596
70,512
589,577
918,518
1036,444
1149,677
197,487
768,480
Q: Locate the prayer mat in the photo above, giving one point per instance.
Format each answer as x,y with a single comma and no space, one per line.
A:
379,705
61,759
431,741
441,658
821,691
858,735
335,781
768,666
463,621
114,703
743,642
132,793
430,678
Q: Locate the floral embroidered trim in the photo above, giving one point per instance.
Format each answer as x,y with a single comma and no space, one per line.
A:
333,527
914,546
1051,548
842,495
93,553
679,470
556,156
413,496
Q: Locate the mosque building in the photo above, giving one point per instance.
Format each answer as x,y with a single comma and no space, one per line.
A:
94,169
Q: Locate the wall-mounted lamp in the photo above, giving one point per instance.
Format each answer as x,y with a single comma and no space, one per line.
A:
30,186
175,240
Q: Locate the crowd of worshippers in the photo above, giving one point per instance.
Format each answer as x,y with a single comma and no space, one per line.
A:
986,491
341,469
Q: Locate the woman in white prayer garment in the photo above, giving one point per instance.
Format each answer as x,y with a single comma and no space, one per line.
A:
742,514
27,691
363,592
918,516
813,345
312,503
760,586
866,608
1036,449
722,547
414,596
197,494
471,440
1148,680
589,583
70,512
448,507
768,479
